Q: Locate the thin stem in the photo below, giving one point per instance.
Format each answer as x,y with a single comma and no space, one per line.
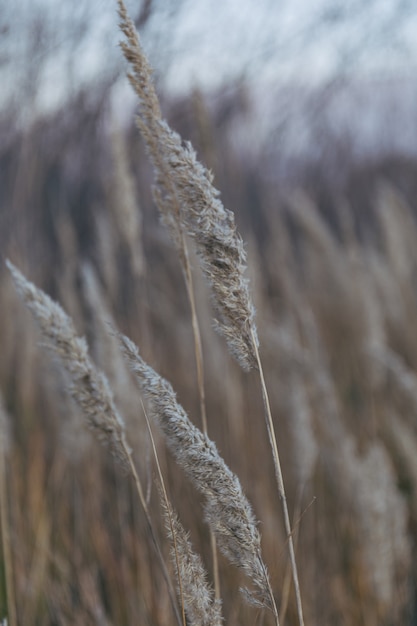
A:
271,595
7,555
287,578
198,350
298,516
280,481
215,565
168,508
152,532
151,117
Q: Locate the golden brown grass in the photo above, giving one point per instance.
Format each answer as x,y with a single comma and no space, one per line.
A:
336,323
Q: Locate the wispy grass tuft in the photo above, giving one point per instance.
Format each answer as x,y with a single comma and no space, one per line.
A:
89,388
189,203
227,509
87,385
201,607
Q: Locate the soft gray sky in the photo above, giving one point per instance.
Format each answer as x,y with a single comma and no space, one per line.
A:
201,42
301,40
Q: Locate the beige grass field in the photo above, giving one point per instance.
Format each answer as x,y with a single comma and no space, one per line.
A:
126,501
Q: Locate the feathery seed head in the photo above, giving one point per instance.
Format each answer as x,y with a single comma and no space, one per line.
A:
88,387
190,204
200,605
227,509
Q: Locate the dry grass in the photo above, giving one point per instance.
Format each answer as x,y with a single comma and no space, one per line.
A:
336,324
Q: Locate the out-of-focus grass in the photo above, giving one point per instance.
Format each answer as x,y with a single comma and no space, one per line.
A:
336,309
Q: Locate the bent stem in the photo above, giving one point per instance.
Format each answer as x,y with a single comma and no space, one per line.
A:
7,555
198,350
168,508
271,595
152,532
280,481
287,578
149,123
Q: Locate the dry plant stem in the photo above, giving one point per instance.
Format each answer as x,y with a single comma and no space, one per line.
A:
7,555
200,380
215,565
197,341
198,351
192,597
189,203
89,387
280,481
166,195
165,496
271,594
287,578
227,510
149,524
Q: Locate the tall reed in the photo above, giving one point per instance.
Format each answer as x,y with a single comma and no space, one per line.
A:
189,203
5,518
227,510
88,387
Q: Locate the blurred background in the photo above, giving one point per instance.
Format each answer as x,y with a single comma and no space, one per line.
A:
306,113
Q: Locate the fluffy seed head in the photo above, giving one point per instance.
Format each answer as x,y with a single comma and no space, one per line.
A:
227,509
200,605
88,386
190,204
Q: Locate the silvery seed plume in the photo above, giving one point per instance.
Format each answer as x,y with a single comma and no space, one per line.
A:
200,606
219,246
89,387
148,121
189,202
227,510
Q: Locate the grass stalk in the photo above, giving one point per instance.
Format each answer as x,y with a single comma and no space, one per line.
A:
169,203
196,597
227,511
5,535
89,388
168,509
288,571
280,480
151,531
198,350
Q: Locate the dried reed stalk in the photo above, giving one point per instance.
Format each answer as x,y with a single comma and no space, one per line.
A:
201,607
182,181
125,206
167,198
169,524
189,203
4,519
104,347
199,604
88,387
227,510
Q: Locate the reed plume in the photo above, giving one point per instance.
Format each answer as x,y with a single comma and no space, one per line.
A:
201,607
189,203
227,510
88,386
